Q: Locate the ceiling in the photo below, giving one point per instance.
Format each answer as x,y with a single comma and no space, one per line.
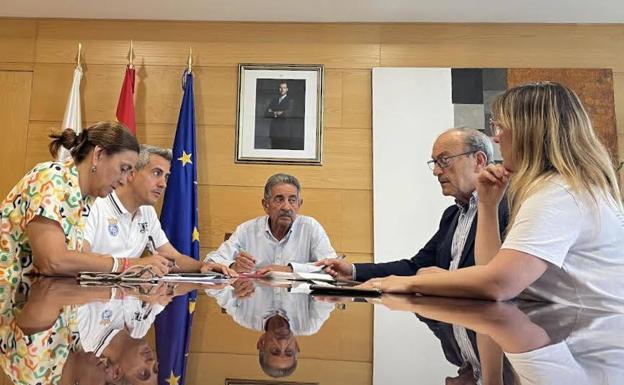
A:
492,11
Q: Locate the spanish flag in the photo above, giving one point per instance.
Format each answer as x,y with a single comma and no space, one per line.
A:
125,106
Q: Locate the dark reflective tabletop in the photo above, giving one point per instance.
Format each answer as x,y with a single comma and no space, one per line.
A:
55,331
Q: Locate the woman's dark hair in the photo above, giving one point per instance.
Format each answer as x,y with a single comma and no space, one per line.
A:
113,137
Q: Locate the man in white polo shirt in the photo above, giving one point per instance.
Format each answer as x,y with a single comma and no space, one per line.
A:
125,223
280,240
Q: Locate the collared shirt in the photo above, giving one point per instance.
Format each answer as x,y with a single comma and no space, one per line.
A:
112,229
464,223
99,322
306,242
468,352
304,315
50,190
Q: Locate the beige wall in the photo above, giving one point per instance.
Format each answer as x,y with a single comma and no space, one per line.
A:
339,193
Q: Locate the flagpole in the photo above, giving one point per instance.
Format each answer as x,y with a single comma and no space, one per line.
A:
78,58
131,55
190,60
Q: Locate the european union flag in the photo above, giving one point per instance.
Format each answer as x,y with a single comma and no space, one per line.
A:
179,221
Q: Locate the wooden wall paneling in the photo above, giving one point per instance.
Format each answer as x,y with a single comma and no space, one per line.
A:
332,98
15,89
207,31
347,161
38,140
216,332
501,45
17,67
37,149
214,368
345,214
158,93
166,43
593,86
357,99
17,40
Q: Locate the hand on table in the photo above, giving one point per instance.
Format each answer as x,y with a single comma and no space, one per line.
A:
243,288
390,284
160,264
266,269
219,268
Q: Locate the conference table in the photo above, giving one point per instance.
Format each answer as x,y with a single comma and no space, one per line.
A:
256,331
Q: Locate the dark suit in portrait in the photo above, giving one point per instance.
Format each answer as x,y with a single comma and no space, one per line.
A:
281,132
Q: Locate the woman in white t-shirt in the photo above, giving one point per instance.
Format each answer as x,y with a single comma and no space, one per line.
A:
565,241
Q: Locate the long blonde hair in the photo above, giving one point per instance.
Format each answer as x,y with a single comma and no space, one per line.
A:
552,134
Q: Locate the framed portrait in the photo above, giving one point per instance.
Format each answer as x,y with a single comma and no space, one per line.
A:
280,114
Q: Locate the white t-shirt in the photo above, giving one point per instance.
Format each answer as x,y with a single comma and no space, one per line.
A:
111,229
591,353
582,241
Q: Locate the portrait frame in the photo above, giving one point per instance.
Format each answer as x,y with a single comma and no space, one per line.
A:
280,114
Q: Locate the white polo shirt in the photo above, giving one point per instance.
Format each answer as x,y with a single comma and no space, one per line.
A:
111,229
99,322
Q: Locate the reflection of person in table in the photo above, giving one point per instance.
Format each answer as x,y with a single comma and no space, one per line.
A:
279,314
280,111
545,343
39,339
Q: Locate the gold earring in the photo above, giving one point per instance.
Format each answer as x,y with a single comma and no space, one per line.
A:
93,169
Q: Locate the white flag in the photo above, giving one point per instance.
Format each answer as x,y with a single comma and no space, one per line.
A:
73,115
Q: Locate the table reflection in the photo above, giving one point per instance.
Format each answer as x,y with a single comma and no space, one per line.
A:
54,331
279,314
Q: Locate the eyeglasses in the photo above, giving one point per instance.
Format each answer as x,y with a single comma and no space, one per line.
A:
445,161
495,127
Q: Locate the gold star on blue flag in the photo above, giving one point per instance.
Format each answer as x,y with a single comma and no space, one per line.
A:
179,220
173,379
185,158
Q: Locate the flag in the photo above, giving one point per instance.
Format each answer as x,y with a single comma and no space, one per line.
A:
179,221
125,106
73,116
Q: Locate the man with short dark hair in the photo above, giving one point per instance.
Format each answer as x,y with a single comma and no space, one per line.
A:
282,240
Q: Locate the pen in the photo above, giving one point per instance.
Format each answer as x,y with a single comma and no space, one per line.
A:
151,245
151,248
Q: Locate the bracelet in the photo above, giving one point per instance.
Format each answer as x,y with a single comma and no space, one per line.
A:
126,264
115,268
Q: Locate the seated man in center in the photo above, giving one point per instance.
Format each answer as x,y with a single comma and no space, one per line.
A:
280,240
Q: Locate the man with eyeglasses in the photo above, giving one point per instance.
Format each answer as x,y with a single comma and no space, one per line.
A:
458,156
282,240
